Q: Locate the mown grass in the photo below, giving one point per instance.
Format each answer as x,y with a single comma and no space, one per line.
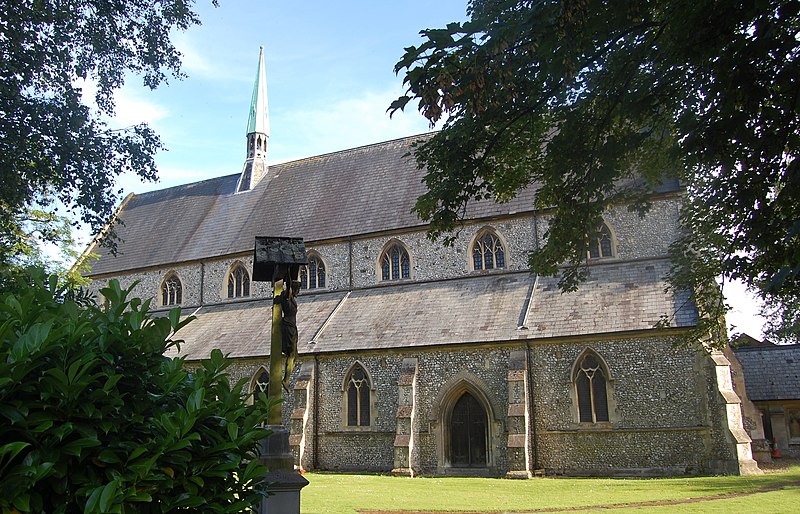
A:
348,494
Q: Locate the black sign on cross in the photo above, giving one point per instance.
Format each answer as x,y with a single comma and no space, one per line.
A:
275,256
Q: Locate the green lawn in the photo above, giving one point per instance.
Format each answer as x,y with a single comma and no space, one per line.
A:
348,494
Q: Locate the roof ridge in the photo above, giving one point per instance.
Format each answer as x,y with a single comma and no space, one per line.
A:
356,148
177,186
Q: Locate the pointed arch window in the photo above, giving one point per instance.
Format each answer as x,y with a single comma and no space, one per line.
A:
238,282
591,386
395,263
602,245
260,387
357,390
171,291
488,252
313,275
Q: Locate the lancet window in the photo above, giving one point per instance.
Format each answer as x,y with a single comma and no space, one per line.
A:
171,291
395,263
238,282
313,275
602,245
260,385
488,252
591,385
358,388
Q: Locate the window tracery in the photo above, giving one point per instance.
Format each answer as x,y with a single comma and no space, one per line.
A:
591,386
238,282
171,291
358,397
312,276
261,383
488,252
601,246
395,263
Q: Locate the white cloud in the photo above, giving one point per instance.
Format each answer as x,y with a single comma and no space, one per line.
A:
348,123
193,61
132,109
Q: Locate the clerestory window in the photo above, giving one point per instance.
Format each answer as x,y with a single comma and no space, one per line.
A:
238,282
395,263
313,275
488,252
601,246
171,290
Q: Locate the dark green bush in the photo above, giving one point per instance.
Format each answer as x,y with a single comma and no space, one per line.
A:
94,417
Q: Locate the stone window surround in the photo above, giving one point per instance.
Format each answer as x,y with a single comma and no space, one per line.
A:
372,400
313,254
480,234
390,245
613,419
164,291
255,386
603,230
230,275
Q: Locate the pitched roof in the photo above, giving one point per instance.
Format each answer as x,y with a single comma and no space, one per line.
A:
349,193
771,372
481,308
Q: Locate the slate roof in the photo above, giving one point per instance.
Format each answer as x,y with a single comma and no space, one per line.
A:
349,193
771,372
483,308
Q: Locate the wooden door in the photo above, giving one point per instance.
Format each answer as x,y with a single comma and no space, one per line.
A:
468,433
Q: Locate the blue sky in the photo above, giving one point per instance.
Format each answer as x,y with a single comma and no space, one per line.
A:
330,79
329,71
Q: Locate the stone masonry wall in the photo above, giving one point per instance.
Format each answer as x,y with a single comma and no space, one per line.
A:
660,422
634,238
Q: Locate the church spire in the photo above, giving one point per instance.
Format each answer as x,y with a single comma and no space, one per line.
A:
255,166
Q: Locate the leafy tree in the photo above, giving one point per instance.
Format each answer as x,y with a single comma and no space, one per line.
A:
783,321
597,102
53,147
94,418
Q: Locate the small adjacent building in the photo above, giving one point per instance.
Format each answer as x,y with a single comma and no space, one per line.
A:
416,357
772,380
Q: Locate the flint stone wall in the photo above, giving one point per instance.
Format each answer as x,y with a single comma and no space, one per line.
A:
661,395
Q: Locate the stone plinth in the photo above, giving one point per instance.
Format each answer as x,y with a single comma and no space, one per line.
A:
283,483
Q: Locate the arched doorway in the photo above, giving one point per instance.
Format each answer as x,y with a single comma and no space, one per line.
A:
468,434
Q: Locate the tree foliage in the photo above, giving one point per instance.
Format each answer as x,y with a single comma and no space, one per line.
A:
94,418
783,321
54,148
595,103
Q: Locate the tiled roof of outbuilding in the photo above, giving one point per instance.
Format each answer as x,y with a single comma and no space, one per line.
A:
489,308
348,193
771,372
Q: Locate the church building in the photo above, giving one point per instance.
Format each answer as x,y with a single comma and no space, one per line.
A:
418,358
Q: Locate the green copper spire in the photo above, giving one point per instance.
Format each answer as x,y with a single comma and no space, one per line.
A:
258,122
255,166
